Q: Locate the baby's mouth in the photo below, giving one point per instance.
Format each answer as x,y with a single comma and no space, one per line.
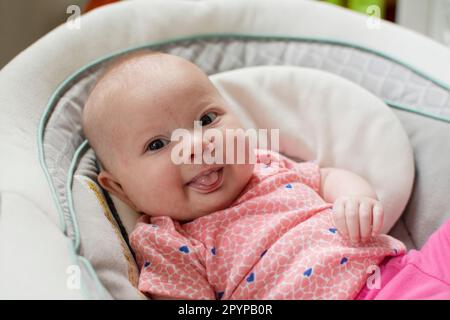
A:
207,181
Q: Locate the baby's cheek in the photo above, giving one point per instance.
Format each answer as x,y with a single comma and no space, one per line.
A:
158,190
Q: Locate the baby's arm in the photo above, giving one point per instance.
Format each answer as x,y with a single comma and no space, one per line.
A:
358,215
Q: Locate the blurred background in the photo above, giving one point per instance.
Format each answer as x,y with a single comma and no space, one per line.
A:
22,22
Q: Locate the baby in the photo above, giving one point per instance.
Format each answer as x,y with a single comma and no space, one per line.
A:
274,229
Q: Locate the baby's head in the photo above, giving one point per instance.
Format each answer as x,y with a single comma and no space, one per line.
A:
128,120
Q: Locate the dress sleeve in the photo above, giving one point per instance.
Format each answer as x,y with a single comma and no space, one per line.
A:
169,262
309,171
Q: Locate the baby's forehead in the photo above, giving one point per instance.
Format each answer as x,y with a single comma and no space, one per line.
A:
156,84
145,64
156,73
124,69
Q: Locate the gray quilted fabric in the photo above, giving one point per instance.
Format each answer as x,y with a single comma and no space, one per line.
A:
386,79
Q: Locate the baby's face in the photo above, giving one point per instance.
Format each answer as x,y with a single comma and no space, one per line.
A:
143,117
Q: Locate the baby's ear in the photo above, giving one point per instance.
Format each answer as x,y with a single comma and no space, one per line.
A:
110,184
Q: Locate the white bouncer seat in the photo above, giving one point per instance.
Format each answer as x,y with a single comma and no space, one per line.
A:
37,256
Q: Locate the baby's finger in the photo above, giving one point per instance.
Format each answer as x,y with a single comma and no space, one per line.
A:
378,219
365,220
352,219
339,218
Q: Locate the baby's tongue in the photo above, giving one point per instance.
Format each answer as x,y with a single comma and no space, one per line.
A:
206,180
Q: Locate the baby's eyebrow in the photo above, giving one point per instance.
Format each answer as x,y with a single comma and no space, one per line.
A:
148,132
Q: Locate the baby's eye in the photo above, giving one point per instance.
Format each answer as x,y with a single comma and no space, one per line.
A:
208,118
157,144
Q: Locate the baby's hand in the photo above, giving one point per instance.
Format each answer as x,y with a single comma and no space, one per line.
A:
358,218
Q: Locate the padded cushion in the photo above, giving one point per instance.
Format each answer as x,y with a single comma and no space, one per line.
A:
325,117
102,242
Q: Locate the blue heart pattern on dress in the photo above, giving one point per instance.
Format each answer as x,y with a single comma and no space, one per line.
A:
289,186
184,249
146,264
251,277
213,251
343,260
308,272
332,230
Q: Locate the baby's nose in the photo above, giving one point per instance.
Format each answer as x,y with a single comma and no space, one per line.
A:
199,146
